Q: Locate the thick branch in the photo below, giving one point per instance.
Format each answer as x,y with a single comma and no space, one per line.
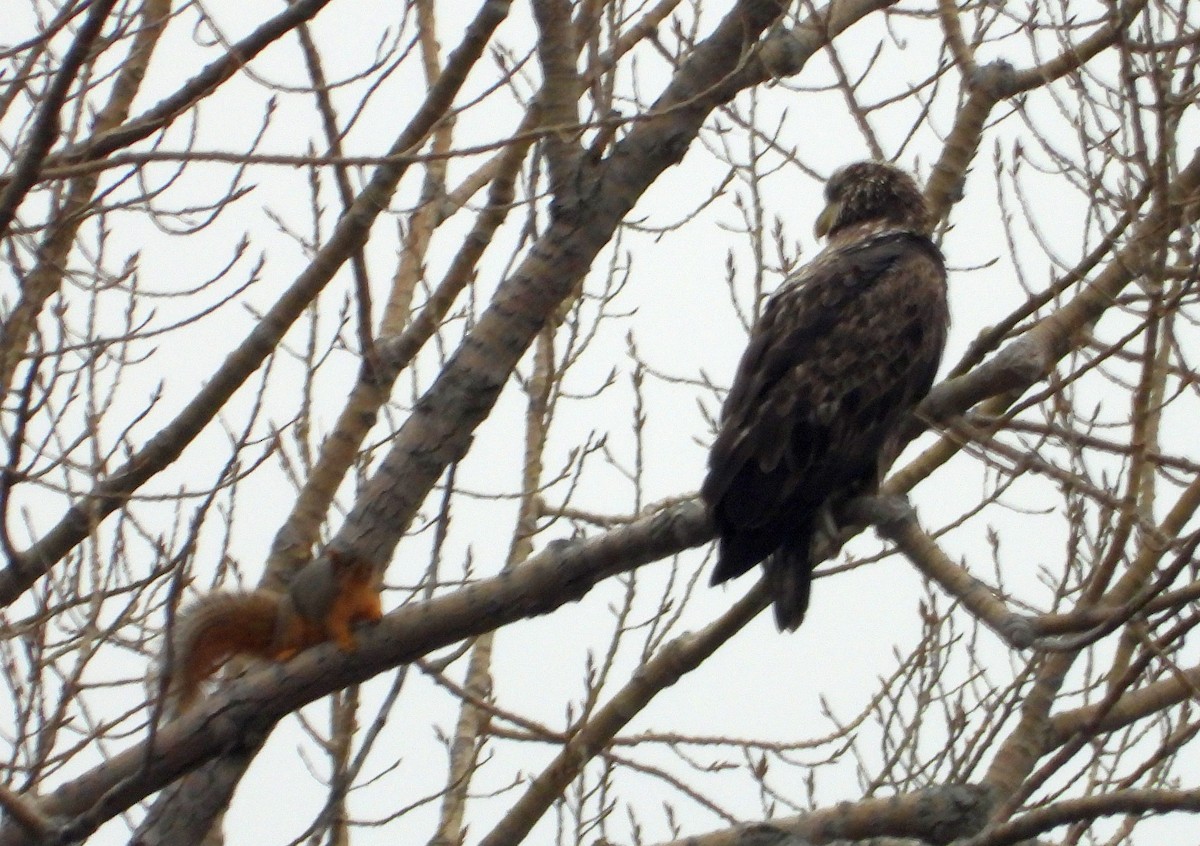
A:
559,97
1041,820
937,815
440,429
350,234
239,719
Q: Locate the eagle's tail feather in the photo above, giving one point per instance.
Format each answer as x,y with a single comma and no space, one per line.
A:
787,557
789,571
735,556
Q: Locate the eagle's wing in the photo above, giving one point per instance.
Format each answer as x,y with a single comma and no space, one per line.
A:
841,354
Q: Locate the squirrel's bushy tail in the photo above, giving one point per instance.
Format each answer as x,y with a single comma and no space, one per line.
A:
213,630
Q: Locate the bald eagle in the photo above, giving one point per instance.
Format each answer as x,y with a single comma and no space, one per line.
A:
844,350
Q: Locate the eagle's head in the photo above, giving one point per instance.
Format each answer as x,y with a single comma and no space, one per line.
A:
872,193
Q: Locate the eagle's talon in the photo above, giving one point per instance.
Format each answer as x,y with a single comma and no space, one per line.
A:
885,512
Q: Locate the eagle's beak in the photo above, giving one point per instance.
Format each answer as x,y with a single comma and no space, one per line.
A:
826,219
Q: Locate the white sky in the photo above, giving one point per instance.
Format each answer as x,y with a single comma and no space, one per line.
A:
762,684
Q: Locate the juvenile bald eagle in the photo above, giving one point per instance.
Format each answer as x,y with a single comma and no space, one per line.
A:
843,351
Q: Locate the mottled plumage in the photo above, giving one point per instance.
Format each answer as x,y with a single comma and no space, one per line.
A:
843,351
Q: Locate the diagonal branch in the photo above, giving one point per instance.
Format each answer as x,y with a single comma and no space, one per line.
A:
672,662
196,89
240,718
350,234
936,815
44,131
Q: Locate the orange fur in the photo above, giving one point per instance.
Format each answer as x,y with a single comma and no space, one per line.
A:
324,600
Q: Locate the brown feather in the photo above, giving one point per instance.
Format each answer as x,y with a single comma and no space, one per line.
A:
843,351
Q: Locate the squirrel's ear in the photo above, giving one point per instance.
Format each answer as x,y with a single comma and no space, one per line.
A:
339,560
344,561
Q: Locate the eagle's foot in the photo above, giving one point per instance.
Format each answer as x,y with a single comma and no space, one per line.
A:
828,537
881,511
